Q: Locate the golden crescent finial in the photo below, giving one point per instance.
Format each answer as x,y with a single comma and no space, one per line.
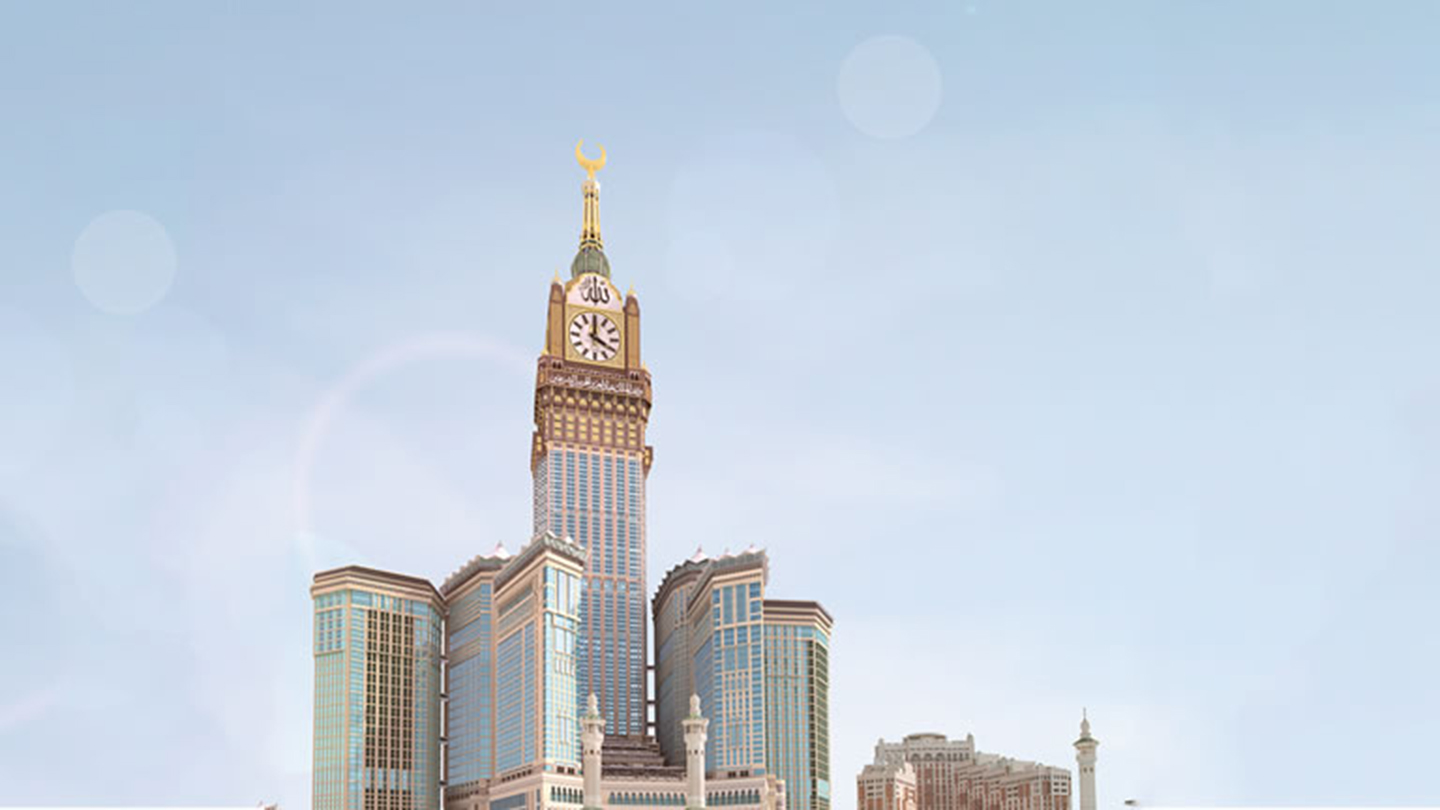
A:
590,166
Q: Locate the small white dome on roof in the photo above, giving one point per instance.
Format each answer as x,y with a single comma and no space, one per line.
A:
699,555
500,552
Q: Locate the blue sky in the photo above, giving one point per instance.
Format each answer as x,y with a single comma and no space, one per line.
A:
1072,354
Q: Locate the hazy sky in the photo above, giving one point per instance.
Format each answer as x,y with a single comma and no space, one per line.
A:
1071,354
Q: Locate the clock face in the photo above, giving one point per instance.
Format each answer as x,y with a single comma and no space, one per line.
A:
594,336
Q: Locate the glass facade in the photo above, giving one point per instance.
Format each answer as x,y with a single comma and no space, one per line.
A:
597,499
674,664
761,668
515,678
729,675
469,755
536,710
330,696
797,711
562,718
377,701
721,618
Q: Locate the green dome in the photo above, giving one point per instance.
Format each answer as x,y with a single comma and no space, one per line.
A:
590,260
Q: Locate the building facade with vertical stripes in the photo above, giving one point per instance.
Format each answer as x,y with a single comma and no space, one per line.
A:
797,698
474,695
589,463
762,665
470,675
377,648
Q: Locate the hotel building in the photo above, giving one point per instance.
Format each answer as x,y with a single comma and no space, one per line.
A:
377,691
542,686
515,739
952,775
797,699
763,666
512,712
589,462
470,676
887,786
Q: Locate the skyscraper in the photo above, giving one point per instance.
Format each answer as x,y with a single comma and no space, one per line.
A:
536,614
797,699
674,660
544,695
513,724
517,736
470,676
377,691
761,665
589,463
719,604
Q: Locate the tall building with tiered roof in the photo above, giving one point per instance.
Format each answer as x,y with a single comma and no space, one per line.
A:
520,684
589,462
513,722
377,651
470,674
763,665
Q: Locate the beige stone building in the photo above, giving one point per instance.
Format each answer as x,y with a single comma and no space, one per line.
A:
887,786
952,775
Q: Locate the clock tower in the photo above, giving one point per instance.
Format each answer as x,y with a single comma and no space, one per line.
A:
589,463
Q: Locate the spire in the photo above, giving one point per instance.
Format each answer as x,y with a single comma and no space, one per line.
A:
695,727
1085,758
592,742
591,256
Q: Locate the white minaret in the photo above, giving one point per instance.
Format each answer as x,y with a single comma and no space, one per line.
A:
592,739
695,726
1085,758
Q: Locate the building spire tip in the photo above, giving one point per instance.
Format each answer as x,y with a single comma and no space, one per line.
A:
591,256
590,165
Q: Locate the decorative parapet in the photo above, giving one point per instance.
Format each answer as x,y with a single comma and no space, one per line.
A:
674,578
478,563
730,562
542,542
